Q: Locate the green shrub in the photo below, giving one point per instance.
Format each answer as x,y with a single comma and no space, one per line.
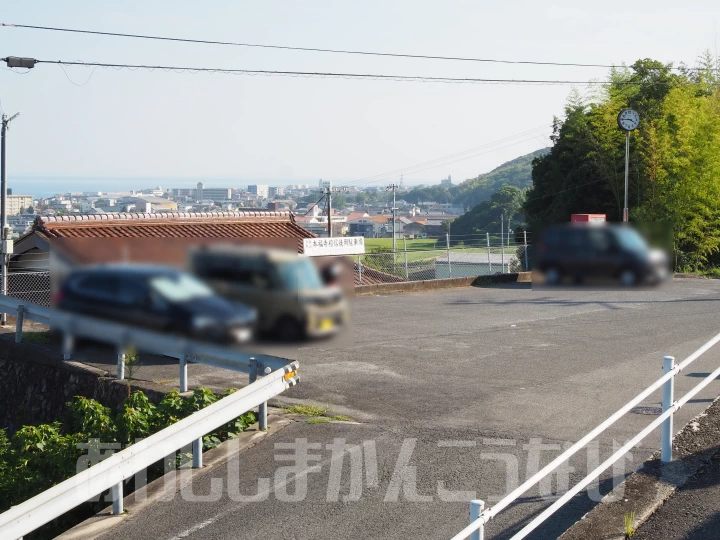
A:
36,458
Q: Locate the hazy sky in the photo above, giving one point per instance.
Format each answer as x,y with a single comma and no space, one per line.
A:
143,124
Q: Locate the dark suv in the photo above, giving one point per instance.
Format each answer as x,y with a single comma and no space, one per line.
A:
156,298
617,252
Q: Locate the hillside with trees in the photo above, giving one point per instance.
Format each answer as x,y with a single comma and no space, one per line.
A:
516,172
506,204
674,160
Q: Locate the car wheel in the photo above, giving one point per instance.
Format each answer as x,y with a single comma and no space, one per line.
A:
628,278
553,276
289,329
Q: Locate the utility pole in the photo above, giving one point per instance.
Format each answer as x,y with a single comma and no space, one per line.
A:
328,191
393,188
3,210
328,194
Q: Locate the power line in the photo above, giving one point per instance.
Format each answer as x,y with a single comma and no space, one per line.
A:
368,76
309,49
444,158
313,206
450,162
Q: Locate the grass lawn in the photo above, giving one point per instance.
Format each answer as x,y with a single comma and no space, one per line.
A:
412,244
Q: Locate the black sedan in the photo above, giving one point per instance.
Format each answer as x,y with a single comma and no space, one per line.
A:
156,298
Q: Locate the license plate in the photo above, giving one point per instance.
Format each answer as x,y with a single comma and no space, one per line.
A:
327,324
242,334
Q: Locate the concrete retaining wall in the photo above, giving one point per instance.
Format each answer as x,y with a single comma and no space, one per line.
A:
35,385
434,284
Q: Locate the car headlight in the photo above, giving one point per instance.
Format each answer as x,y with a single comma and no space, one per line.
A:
202,321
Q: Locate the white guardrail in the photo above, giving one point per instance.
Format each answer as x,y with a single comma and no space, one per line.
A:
479,515
269,376
77,326
114,470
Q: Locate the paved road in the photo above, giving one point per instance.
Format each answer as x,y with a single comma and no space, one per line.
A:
456,386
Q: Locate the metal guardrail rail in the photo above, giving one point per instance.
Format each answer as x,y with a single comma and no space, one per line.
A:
479,515
122,336
269,376
114,470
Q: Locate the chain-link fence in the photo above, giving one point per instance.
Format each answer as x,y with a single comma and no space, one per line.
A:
30,286
417,265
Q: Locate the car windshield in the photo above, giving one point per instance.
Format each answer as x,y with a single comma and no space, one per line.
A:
180,288
299,274
631,240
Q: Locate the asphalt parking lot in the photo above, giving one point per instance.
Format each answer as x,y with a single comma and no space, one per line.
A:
454,388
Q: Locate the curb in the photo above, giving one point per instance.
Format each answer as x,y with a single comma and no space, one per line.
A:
166,486
645,490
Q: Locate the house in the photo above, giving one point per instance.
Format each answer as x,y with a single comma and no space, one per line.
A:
361,226
161,238
414,229
435,228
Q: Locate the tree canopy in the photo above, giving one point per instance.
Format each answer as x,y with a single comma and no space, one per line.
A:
674,174
505,203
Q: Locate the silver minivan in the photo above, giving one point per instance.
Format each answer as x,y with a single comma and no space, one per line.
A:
285,288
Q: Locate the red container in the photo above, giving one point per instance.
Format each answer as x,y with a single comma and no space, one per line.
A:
587,218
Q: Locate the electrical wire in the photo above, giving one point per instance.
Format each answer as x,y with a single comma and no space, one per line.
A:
308,49
323,50
76,84
311,207
368,76
432,161
380,178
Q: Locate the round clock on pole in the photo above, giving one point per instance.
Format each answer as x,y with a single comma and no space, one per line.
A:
628,120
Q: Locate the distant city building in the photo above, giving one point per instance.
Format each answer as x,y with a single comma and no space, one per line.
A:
179,193
259,190
20,224
447,182
150,204
18,204
216,194
202,193
275,191
325,184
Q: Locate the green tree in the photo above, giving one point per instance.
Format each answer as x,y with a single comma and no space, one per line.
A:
674,160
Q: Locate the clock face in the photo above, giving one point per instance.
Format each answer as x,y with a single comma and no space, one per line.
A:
628,119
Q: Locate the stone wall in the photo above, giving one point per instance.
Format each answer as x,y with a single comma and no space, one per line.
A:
35,385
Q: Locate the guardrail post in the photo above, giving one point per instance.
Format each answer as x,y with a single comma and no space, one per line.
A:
255,368
262,410
68,344
19,323
667,402
120,365
476,509
360,269
525,244
183,373
197,449
117,498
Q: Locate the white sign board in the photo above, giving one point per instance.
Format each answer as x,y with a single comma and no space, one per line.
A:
352,245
